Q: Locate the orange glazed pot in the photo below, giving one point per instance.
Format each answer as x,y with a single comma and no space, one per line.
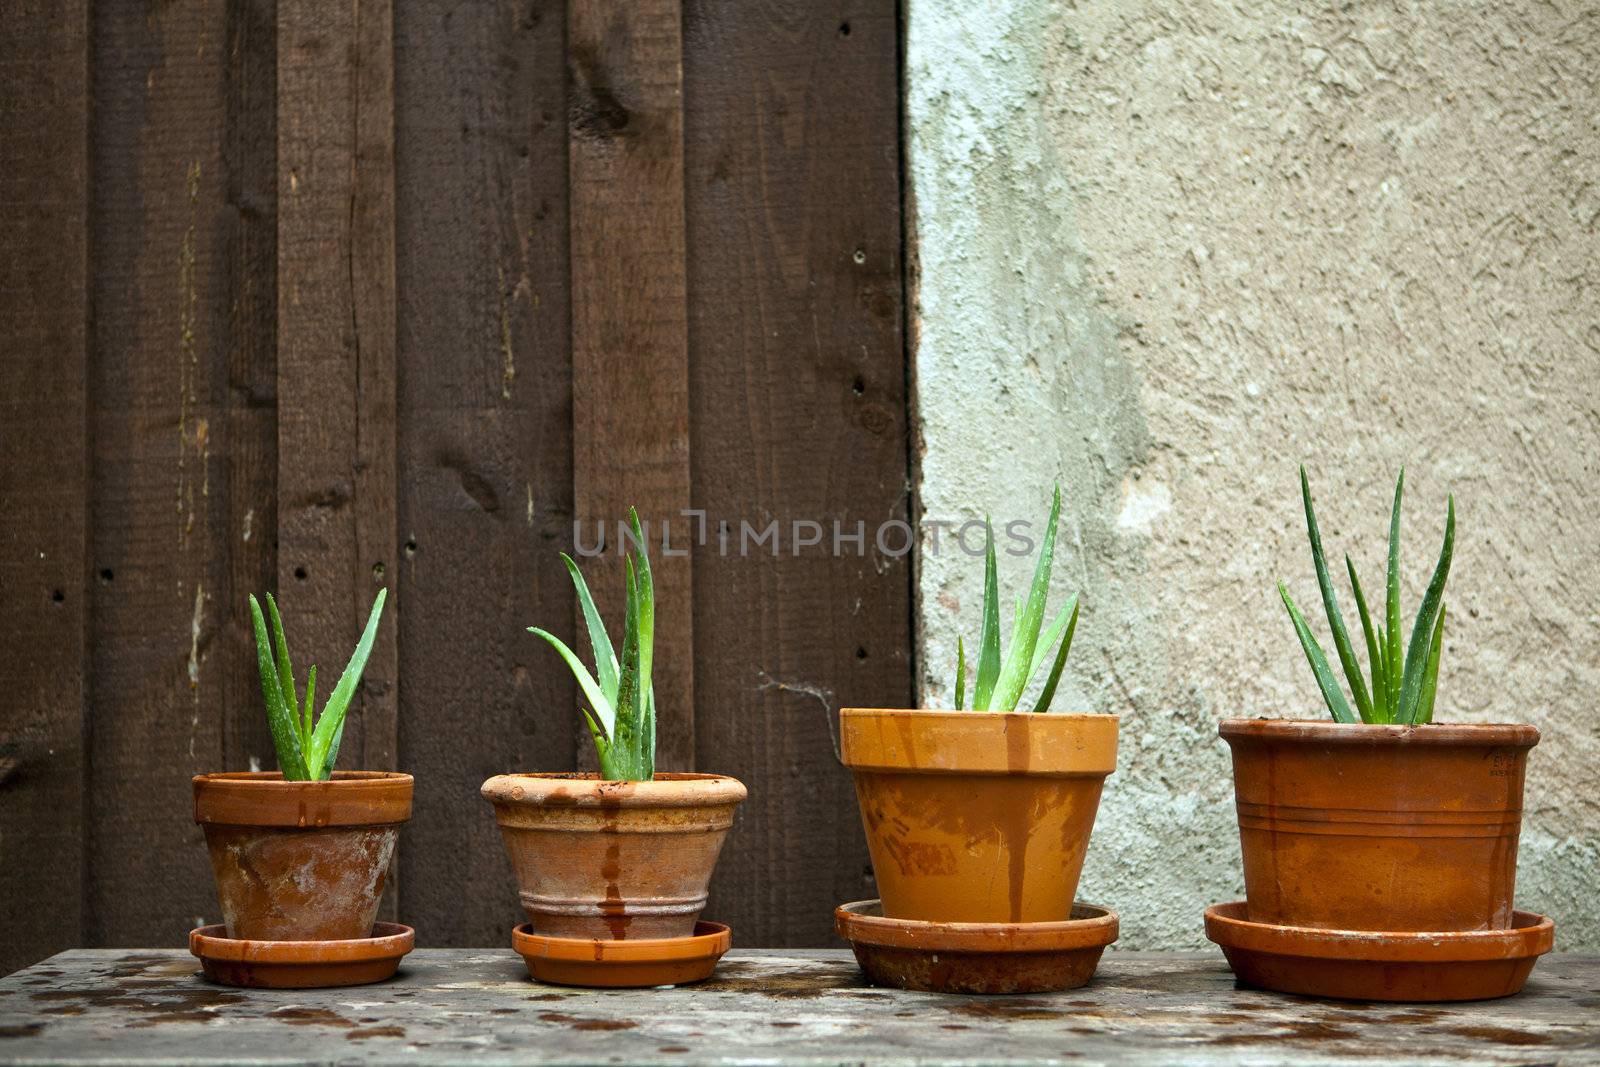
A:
977,816
604,860
301,861
1356,826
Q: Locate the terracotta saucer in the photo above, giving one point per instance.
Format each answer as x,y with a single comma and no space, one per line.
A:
976,957
301,964
1378,965
649,961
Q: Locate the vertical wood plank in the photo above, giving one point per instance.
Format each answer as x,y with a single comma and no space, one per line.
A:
630,354
485,429
43,471
336,371
181,466
799,386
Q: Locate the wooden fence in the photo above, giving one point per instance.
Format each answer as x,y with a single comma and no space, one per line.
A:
325,297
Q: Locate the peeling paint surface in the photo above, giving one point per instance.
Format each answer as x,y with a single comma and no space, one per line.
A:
1170,251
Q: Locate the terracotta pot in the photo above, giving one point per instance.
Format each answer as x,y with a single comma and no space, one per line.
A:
977,816
1371,827
301,861
613,860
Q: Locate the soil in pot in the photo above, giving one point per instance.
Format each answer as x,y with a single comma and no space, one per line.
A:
608,860
301,861
1379,827
977,816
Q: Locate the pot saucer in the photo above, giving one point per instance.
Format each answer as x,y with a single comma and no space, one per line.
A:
620,964
301,964
976,957
1380,965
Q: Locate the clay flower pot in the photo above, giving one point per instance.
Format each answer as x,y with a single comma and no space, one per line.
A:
604,860
301,861
977,816
1378,827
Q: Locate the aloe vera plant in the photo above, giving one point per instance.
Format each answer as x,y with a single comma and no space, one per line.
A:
1403,684
307,743
621,712
998,683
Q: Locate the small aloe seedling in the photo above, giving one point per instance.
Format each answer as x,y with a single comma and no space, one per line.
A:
622,700
307,743
998,684
1403,685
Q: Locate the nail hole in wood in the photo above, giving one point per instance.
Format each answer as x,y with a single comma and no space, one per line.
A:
844,29
106,575
859,386
860,256
861,653
58,596
300,573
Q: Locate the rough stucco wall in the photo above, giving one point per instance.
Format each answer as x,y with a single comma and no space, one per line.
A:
1169,250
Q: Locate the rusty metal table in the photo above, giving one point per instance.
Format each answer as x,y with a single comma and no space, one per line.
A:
769,1007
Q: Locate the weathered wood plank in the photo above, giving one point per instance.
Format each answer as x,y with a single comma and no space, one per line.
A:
800,393
484,440
336,345
166,235
630,355
43,476
808,1008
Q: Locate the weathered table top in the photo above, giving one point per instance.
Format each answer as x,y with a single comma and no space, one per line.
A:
770,1007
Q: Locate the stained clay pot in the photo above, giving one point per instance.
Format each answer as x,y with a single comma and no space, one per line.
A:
301,861
1375,827
977,816
613,860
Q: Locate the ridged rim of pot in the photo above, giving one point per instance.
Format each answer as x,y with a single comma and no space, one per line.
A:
263,798
669,789
1324,732
1048,744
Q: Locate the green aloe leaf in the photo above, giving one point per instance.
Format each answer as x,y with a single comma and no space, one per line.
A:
1330,603
1319,662
645,623
624,744
591,689
308,713
280,720
1427,617
1391,623
285,667
989,639
605,658
1380,699
961,675
332,719
1018,666
1041,651
1048,693
1430,680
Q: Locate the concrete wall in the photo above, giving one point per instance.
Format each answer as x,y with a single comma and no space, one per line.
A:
1169,250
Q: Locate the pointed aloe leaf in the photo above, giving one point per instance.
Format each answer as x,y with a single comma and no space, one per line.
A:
332,720
285,667
591,689
1048,693
596,731
333,752
624,732
989,639
961,674
280,720
308,714
1330,603
1391,622
605,658
1427,617
647,769
1319,662
1380,702
645,624
1016,671
1041,651
1430,680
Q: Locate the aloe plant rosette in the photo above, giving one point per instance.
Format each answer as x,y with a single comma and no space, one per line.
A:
1379,818
626,853
302,853
983,813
